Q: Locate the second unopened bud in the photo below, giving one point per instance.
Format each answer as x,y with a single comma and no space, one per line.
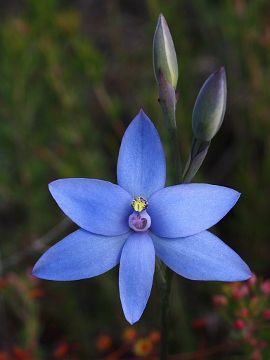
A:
210,105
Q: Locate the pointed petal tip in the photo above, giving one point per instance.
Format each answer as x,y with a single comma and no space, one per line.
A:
37,273
35,268
142,117
237,195
222,69
132,321
131,317
141,112
53,185
50,185
250,275
58,182
245,275
33,272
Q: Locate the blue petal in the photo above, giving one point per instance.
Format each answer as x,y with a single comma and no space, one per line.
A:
136,272
184,210
80,255
141,168
201,257
95,205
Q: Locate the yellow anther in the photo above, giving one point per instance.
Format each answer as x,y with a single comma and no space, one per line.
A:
139,204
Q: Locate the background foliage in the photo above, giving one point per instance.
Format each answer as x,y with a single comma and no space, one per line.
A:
72,76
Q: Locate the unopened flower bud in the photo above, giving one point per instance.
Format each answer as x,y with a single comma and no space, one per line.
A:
210,105
164,56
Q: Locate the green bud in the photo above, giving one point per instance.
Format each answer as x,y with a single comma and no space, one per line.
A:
164,56
210,105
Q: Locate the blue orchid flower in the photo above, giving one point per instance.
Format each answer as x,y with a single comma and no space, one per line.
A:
138,219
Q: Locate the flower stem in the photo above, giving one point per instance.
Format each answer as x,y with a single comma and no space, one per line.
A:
165,295
175,156
168,273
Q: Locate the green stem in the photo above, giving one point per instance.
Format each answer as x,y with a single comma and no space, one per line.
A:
175,156
165,295
166,284
197,155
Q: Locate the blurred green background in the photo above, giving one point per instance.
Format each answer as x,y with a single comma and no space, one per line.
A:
73,74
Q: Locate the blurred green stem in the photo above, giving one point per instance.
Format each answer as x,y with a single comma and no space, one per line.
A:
197,155
175,156
168,273
165,297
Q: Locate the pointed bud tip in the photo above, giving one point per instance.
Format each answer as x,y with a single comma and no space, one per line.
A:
221,69
221,73
141,111
161,20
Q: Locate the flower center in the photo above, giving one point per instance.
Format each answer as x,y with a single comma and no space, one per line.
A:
139,204
139,220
